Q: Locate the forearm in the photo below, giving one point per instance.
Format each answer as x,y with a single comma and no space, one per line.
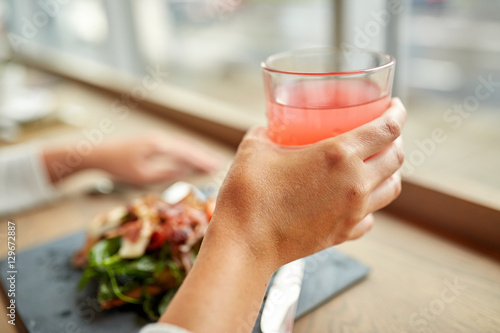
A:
61,163
224,290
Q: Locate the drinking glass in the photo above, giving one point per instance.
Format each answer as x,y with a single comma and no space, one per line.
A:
314,94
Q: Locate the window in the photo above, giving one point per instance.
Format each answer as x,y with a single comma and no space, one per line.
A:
447,54
454,97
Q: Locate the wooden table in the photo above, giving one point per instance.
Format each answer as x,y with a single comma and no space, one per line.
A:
420,282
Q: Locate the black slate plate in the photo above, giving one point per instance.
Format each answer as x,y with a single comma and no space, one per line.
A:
48,301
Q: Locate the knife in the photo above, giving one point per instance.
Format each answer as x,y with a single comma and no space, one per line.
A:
278,314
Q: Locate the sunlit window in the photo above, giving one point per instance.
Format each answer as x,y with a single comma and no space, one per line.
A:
448,65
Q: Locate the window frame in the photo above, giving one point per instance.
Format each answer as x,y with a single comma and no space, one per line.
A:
427,204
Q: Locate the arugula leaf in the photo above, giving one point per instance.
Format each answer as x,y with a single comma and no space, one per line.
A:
117,275
165,301
109,289
144,266
119,292
115,258
105,292
175,271
103,250
165,252
147,306
88,274
155,305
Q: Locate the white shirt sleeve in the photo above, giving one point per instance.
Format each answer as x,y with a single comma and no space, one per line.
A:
24,181
163,328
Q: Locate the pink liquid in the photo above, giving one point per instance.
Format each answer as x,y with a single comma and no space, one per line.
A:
309,111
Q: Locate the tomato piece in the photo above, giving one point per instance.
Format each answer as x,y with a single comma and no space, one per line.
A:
157,241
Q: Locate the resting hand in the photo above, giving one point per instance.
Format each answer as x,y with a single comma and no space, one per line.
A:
139,160
152,158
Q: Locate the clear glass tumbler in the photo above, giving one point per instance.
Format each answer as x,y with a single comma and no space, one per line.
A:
314,94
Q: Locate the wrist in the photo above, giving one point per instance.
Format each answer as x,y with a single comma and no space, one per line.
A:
93,160
223,291
238,245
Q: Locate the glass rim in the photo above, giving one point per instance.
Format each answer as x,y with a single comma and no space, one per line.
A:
266,66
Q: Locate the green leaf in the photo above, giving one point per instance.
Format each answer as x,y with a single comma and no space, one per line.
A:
142,267
112,260
148,305
117,276
175,270
165,301
104,250
109,291
165,252
88,274
119,292
105,292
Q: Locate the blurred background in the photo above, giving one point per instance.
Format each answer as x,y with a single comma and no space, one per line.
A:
448,64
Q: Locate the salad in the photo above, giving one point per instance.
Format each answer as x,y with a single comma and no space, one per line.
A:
140,253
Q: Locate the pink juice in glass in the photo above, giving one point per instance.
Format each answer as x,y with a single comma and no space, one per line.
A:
308,111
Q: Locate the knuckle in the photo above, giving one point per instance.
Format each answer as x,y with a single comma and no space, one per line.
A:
341,237
357,192
369,225
400,155
250,141
398,187
332,157
243,146
247,144
336,155
404,112
392,128
140,174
